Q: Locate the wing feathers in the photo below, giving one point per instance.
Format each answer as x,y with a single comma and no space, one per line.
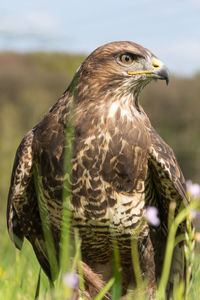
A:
17,193
161,154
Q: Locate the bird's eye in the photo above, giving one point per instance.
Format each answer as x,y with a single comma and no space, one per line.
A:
126,59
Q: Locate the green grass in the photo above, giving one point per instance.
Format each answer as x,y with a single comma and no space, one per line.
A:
22,278
37,79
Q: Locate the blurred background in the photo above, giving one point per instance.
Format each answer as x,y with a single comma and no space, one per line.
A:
43,42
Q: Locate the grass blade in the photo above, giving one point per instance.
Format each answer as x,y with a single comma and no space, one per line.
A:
106,288
38,285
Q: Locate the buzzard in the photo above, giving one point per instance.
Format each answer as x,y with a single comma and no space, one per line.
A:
119,166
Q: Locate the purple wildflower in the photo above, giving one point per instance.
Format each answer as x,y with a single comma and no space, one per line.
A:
151,215
193,189
71,279
195,214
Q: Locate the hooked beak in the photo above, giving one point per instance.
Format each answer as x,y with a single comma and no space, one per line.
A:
159,71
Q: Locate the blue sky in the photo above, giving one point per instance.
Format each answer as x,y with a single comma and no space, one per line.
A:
170,29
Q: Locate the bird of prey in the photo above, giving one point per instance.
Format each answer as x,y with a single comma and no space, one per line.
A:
119,167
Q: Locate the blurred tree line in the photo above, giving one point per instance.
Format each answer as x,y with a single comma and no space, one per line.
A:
31,83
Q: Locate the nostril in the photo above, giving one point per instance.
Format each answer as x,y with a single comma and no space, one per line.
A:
156,63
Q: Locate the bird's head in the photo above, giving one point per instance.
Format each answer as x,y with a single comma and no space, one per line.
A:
120,68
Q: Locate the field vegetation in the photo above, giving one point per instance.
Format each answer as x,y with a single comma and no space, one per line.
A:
29,84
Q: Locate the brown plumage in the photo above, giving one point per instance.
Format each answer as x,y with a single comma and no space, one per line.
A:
120,165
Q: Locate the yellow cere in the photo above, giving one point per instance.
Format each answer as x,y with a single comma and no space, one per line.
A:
157,63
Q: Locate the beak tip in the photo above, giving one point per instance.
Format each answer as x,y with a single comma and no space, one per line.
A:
163,73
